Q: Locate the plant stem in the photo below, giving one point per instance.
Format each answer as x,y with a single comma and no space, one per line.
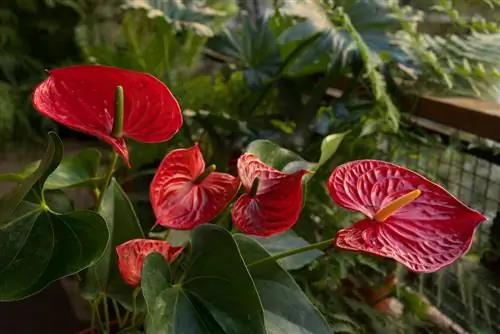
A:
98,314
111,170
92,307
125,318
106,314
117,312
318,245
134,304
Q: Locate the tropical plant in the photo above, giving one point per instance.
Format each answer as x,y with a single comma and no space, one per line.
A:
208,263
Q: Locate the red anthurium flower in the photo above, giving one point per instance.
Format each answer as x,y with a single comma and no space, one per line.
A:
184,194
409,218
131,256
272,201
83,99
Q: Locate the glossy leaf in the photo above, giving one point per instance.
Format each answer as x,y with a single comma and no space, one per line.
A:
286,308
287,161
82,98
335,41
216,294
179,200
286,241
425,235
80,170
278,157
330,145
170,310
40,246
253,47
122,222
276,205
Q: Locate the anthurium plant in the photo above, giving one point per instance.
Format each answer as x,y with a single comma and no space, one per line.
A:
209,264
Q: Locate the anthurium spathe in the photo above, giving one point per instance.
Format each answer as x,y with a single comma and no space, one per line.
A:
185,194
131,256
83,98
409,218
272,201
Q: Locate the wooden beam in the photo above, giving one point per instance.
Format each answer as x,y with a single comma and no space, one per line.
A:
474,116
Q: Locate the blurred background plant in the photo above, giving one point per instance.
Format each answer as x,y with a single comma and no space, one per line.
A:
292,72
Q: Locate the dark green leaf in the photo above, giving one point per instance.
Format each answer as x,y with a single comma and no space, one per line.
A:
286,241
216,294
155,278
253,49
35,181
123,225
38,245
287,309
169,309
79,170
336,41
58,201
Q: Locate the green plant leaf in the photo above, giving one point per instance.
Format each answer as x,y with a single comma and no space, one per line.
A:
35,180
286,241
215,295
38,244
329,146
169,308
288,161
123,225
278,157
178,237
253,49
156,277
286,308
80,170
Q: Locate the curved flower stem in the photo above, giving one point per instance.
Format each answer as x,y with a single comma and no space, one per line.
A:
117,312
93,317
318,245
111,170
134,304
106,314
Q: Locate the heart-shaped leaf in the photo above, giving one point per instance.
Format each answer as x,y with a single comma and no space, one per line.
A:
286,241
39,245
123,225
286,308
80,170
169,309
215,295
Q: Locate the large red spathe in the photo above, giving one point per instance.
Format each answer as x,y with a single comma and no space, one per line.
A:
425,235
179,202
276,205
83,99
